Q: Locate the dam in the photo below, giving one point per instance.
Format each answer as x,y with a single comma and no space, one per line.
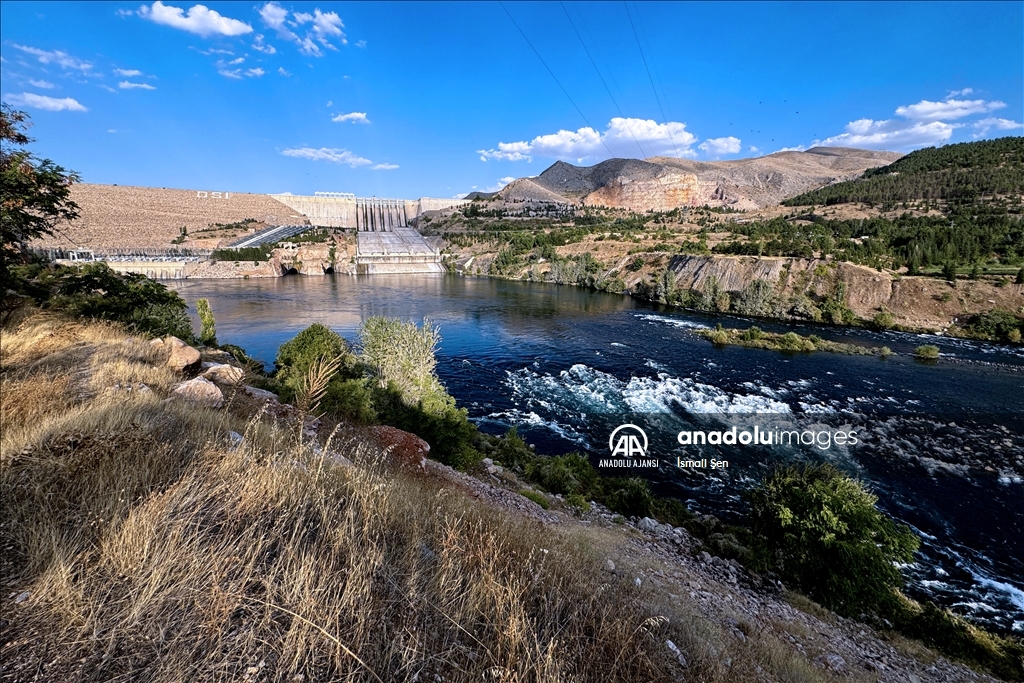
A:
385,244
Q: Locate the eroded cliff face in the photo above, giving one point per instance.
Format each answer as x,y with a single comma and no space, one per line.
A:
918,302
662,193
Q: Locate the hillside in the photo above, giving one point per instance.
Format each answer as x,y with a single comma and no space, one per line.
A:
959,173
662,183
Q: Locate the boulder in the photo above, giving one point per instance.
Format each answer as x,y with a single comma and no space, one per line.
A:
182,355
648,524
260,394
199,390
223,374
831,660
405,449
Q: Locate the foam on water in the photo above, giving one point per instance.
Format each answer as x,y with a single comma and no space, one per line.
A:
674,322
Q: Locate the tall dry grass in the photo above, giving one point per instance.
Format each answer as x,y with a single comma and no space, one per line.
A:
150,550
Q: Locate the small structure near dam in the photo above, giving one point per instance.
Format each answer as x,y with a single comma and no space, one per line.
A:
400,250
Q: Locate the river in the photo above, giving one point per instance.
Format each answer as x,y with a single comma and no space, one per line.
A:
939,443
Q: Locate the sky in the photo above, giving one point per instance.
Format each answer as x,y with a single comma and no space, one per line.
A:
439,99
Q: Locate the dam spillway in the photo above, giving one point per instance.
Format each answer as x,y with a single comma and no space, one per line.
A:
365,214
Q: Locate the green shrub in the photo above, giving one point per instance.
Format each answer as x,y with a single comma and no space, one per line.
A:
996,324
791,341
719,337
564,474
577,503
630,497
208,332
758,298
295,357
927,352
885,352
884,320
536,496
752,334
824,535
95,291
636,264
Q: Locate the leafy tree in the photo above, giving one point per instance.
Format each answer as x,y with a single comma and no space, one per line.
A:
347,394
35,194
823,533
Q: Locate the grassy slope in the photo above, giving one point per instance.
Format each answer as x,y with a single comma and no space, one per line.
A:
142,547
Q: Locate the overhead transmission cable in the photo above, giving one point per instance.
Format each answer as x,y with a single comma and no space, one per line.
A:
566,92
650,51
658,99
643,154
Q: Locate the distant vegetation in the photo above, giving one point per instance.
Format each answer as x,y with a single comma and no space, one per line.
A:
258,253
960,173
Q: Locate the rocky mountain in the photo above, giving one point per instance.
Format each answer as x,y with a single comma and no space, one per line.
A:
663,183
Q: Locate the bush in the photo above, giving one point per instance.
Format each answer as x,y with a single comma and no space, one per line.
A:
295,357
758,298
536,496
577,503
752,334
927,352
719,337
630,497
995,324
636,264
208,333
571,473
884,320
824,535
95,291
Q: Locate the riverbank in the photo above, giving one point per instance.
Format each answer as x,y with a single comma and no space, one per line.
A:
239,548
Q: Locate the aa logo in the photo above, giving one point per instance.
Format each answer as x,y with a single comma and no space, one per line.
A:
628,441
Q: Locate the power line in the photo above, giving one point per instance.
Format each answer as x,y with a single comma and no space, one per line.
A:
599,137
660,108
607,89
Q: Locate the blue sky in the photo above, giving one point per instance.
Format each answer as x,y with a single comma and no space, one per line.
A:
422,99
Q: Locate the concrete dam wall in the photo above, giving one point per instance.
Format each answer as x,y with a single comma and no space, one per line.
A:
366,214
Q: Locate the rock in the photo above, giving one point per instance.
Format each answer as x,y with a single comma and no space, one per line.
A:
674,649
223,374
407,450
131,389
609,566
22,597
832,661
487,462
261,394
182,355
199,390
637,581
156,343
648,524
235,438
705,557
495,469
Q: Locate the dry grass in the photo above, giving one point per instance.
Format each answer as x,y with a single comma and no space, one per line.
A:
150,551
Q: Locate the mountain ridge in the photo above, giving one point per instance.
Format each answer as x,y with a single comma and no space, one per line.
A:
664,183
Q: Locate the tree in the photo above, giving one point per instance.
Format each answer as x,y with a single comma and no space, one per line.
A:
1020,276
824,535
34,194
208,335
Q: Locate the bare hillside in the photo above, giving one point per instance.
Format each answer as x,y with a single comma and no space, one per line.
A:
126,217
663,183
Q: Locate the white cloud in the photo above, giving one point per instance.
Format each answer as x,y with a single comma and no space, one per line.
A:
502,182
620,138
949,109
230,73
354,117
985,125
235,62
338,156
716,147
323,27
260,46
127,73
255,73
384,167
214,51
128,85
61,59
327,25
753,149
330,103
360,43
125,13
46,85
283,71
891,134
798,148
238,74
199,19
27,99
959,93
